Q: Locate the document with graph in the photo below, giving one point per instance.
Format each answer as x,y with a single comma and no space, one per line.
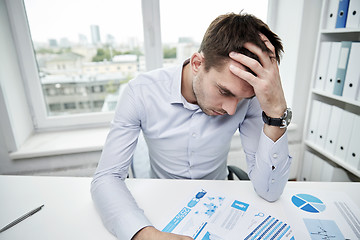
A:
318,214
208,216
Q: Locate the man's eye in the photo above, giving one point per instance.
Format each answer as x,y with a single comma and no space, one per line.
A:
224,93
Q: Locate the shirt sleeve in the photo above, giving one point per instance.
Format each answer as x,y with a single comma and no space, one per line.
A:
268,161
114,202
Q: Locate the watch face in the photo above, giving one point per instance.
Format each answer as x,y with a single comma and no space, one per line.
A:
287,117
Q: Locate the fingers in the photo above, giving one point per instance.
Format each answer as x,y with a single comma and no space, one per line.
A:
243,74
249,62
267,43
265,58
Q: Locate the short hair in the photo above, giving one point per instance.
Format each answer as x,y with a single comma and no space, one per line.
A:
229,32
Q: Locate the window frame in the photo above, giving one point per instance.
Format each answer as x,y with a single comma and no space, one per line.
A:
29,70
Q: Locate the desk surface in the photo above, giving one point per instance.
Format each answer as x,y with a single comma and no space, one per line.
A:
69,212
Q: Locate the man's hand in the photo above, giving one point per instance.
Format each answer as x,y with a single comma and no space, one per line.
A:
151,233
266,83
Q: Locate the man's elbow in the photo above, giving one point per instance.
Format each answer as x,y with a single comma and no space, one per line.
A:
269,195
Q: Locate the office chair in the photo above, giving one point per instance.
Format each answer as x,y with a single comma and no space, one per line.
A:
140,166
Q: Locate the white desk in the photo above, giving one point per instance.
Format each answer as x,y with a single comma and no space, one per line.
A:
69,212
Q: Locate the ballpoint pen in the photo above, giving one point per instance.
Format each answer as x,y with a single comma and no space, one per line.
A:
13,223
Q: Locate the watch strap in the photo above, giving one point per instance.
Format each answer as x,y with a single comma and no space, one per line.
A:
272,121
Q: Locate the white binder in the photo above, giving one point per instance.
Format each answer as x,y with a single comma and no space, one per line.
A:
322,129
331,173
314,118
345,130
352,79
333,63
333,129
353,17
331,14
353,154
323,61
307,166
316,171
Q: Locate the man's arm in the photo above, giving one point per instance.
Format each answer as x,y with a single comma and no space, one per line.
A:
116,205
266,83
267,151
268,161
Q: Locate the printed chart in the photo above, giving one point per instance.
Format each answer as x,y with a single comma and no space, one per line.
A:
308,203
323,229
216,217
322,215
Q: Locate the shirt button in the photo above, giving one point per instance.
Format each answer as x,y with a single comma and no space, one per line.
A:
272,180
275,155
194,135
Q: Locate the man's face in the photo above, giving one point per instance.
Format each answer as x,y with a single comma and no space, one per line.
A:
219,92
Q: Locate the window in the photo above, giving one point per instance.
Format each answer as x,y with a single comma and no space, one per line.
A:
73,45
183,23
83,51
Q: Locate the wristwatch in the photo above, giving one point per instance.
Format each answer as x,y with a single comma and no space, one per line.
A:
282,122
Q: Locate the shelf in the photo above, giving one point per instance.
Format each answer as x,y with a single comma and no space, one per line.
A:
333,158
340,30
337,98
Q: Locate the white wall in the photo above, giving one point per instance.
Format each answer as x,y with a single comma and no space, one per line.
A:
297,24
16,123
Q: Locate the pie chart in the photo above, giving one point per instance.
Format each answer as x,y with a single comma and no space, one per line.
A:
308,203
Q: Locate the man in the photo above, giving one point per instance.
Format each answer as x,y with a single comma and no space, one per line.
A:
188,115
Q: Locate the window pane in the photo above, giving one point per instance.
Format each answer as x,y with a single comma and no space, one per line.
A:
85,51
183,23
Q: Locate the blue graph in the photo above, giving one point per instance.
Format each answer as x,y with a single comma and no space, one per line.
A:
308,203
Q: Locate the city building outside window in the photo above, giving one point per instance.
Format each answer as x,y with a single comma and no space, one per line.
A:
85,52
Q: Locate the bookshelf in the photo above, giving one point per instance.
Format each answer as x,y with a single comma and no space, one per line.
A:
315,121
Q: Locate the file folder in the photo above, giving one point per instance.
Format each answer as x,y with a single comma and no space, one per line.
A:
324,54
322,129
331,14
307,166
331,173
332,67
353,19
341,68
333,129
314,118
352,78
353,154
316,169
345,130
342,13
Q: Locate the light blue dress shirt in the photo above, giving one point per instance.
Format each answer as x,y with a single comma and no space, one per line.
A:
183,143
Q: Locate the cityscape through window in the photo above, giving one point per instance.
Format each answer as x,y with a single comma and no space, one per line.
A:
86,51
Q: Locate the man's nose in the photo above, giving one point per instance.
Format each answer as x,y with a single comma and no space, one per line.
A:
230,105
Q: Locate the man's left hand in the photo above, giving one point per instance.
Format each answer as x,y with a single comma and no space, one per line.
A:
266,83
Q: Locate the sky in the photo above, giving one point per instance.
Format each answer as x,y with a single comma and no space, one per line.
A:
56,19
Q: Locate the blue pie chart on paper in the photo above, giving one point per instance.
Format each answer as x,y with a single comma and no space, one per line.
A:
308,203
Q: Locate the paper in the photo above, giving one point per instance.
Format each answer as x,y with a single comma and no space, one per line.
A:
319,215
209,216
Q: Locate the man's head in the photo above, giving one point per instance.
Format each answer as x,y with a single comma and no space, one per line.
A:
214,88
229,32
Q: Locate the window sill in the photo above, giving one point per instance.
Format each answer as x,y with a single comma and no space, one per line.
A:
62,142
69,142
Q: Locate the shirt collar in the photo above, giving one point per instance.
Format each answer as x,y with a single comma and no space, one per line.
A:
176,96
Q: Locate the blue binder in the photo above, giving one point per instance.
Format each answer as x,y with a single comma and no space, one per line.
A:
342,13
341,68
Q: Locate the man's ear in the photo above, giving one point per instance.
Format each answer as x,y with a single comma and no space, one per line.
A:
197,61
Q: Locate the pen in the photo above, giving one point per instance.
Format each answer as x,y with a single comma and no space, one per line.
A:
13,223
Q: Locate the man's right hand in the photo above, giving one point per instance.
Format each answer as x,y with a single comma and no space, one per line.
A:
151,233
